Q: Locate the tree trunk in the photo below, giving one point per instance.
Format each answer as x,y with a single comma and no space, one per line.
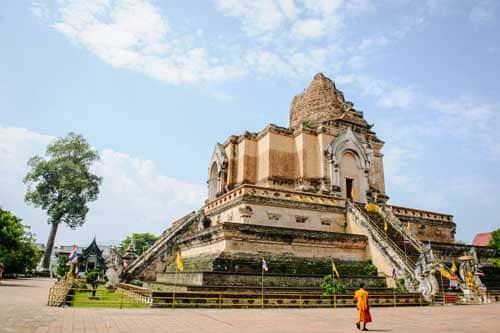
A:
50,246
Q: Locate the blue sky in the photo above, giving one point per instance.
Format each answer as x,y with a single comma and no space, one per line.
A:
153,85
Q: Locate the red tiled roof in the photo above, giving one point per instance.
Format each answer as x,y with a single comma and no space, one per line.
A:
482,239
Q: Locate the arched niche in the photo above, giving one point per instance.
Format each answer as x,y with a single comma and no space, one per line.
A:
351,176
217,172
348,162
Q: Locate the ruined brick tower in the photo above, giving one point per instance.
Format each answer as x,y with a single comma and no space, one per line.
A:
322,103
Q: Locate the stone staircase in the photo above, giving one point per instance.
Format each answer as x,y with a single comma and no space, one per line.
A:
412,248
396,245
163,245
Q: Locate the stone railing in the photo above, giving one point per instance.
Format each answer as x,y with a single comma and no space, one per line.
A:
389,216
390,250
417,213
145,258
143,295
266,192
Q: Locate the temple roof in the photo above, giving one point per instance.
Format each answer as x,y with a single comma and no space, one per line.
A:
482,239
92,249
322,102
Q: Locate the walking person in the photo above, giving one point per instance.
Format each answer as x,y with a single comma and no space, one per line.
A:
364,316
1,272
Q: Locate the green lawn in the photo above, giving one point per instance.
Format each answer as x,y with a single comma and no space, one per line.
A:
104,299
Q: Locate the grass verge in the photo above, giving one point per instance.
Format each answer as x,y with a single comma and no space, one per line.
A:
104,299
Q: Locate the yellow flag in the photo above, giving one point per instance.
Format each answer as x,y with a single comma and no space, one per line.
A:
371,207
178,261
453,268
445,273
334,270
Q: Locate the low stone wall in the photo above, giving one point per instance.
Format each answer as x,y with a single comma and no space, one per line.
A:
255,280
449,251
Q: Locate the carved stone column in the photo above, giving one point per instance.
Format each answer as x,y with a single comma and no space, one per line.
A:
334,176
221,181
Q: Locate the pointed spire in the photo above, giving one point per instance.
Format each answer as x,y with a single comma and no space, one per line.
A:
131,252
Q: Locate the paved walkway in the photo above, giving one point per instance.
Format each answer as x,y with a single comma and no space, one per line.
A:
22,309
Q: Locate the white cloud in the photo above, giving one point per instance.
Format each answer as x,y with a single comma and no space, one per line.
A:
323,7
400,97
286,38
358,7
357,62
420,195
264,19
473,120
133,34
483,12
305,29
258,16
289,8
386,94
291,39
134,196
372,43
40,10
267,63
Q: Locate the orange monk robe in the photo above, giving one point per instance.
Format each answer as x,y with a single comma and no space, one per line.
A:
363,307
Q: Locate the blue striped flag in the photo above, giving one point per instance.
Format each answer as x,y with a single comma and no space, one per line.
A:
73,255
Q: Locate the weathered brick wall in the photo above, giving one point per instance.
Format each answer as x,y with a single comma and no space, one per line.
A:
318,103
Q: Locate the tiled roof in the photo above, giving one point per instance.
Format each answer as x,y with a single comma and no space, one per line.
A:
482,239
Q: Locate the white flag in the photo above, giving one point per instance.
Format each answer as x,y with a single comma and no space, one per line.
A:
264,265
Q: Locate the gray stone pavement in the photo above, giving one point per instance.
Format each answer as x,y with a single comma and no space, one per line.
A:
22,309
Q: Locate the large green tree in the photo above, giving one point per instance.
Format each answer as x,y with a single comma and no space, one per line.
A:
141,242
18,251
62,184
495,243
495,240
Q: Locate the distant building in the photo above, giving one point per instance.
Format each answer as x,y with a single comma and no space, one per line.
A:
482,239
64,250
91,257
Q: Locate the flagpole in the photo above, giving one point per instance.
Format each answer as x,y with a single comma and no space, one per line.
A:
175,279
262,286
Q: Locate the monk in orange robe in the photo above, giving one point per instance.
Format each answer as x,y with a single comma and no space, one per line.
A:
364,316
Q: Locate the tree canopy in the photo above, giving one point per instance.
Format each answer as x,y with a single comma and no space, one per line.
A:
141,241
62,184
495,240
18,251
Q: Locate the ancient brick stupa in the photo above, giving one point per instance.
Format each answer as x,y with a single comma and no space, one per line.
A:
297,196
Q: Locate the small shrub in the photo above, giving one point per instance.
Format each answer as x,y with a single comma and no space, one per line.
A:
137,282
400,286
369,269
62,266
332,286
92,277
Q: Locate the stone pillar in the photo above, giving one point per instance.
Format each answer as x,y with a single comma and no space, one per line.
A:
221,182
334,176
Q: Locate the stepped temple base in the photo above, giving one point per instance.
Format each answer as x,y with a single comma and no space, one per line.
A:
230,255
221,280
